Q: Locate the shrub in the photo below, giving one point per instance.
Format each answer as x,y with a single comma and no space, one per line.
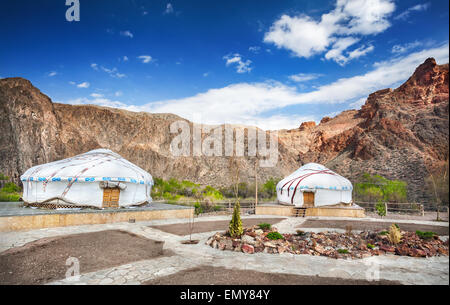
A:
370,246
383,233
198,209
425,235
381,209
8,197
265,226
274,236
10,187
343,251
394,236
3,177
377,188
300,233
235,227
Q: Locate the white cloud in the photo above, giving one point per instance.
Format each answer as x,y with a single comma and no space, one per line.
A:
145,58
236,60
260,104
52,73
118,93
334,32
126,34
83,85
403,48
169,9
304,77
416,8
206,74
97,95
125,58
358,103
112,72
254,49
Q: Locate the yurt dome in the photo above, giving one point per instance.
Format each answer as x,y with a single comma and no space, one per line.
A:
99,178
314,185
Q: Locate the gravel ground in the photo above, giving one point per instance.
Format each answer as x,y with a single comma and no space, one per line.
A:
182,229
222,276
44,260
370,225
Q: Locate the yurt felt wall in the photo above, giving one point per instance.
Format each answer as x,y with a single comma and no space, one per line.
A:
83,179
315,183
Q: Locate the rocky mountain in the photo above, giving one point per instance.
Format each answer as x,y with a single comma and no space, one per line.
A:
400,134
397,134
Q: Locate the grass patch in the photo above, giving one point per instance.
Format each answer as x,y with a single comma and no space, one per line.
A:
274,236
343,251
265,226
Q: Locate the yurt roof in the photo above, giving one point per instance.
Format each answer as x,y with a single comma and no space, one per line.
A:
314,176
95,165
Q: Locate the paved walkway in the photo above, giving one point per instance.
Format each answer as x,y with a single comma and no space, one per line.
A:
407,270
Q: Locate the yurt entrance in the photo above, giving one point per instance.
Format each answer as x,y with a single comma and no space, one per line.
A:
111,197
308,199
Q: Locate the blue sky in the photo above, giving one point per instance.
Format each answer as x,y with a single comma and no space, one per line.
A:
268,63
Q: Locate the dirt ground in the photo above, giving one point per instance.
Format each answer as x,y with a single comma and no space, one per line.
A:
182,229
44,260
206,275
370,225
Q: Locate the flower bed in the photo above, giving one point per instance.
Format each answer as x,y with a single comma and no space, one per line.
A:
331,244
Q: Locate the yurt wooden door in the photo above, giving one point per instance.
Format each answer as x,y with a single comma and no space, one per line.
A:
111,197
308,199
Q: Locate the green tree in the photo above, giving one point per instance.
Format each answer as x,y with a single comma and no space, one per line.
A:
235,227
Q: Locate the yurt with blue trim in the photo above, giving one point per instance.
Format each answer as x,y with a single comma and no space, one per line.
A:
314,185
99,178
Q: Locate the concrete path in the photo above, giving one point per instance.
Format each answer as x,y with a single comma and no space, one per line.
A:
407,270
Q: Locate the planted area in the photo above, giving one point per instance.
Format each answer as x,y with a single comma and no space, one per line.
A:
331,244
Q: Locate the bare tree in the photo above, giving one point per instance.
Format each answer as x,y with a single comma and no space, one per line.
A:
438,183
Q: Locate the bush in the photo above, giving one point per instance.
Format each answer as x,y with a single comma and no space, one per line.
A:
10,192
265,226
235,227
3,177
300,233
274,236
378,188
383,233
343,251
198,209
425,235
370,246
8,197
381,209
10,187
394,236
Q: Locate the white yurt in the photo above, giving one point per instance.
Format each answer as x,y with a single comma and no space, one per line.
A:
99,178
314,185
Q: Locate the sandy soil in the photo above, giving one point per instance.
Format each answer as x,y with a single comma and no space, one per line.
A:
206,275
208,226
44,260
370,225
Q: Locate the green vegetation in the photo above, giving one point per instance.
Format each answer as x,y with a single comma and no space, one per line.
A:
381,209
370,246
343,251
274,236
235,227
10,191
383,233
265,226
425,235
379,189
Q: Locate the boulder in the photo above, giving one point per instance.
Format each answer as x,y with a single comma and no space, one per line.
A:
246,248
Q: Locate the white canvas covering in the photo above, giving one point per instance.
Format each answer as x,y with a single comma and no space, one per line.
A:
80,180
328,187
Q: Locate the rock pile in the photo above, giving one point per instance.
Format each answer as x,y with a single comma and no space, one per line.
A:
331,244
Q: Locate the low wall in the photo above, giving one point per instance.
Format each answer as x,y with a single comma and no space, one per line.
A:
283,210
356,212
29,222
278,210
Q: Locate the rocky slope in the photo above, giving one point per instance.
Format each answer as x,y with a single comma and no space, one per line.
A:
395,134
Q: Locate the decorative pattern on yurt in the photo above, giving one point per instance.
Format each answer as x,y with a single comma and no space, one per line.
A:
314,185
99,178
